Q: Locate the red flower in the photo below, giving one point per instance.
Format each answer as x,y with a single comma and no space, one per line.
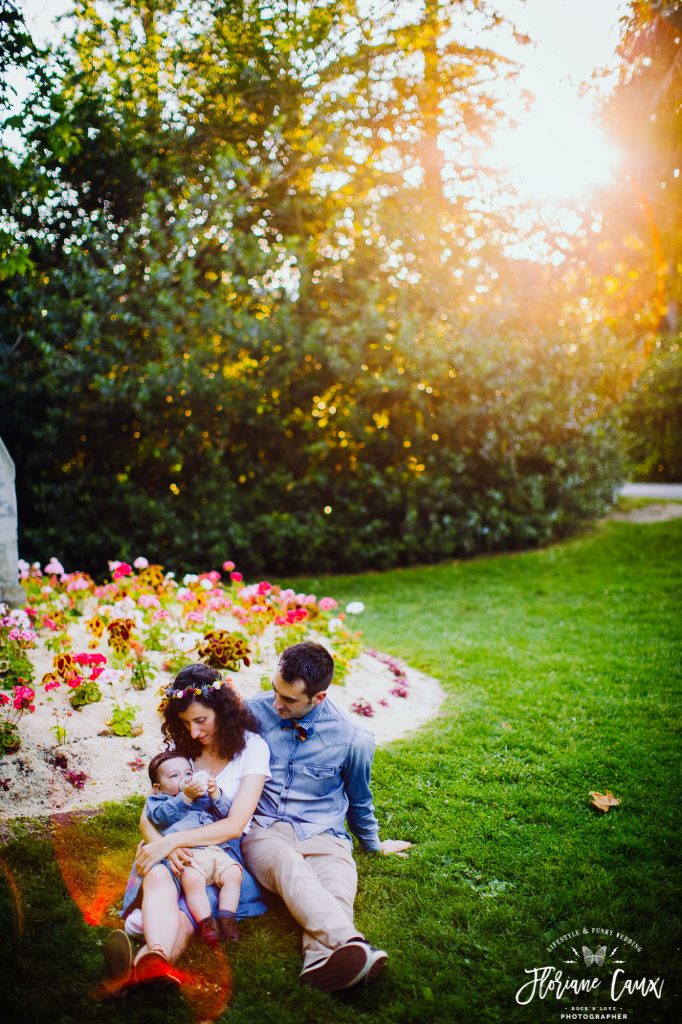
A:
236,577
122,569
264,588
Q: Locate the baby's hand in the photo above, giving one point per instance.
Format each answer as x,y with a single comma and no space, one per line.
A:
213,788
194,787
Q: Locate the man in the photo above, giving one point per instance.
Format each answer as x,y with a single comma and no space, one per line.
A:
298,845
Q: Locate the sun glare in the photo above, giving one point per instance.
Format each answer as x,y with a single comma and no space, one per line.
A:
555,153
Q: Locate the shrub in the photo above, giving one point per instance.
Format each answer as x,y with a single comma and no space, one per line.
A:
652,415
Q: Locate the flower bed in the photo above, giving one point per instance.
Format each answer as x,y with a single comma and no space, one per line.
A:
83,667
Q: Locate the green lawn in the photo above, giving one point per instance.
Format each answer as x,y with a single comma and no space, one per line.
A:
562,669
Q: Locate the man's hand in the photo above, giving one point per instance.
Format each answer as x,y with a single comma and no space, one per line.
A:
395,846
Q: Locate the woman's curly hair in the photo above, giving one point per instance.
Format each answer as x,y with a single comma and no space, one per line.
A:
233,718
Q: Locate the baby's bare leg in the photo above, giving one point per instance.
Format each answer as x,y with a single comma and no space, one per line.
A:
230,883
194,887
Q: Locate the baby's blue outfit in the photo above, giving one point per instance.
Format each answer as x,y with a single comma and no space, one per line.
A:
174,814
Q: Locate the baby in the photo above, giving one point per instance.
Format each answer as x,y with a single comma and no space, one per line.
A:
182,799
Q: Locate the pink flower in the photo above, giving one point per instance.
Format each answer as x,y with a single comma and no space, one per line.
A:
195,617
77,583
327,604
362,707
310,600
77,779
148,601
122,569
141,562
96,672
228,566
86,658
399,691
213,576
23,698
74,682
236,577
48,623
160,615
280,620
264,588
54,567
52,685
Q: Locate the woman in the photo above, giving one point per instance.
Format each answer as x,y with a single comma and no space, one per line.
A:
205,720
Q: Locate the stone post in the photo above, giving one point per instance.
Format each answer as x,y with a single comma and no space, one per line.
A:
10,591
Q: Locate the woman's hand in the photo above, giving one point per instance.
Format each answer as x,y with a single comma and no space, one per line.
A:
180,859
152,853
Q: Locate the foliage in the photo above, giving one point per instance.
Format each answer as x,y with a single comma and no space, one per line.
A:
87,692
10,740
549,696
122,722
652,414
256,274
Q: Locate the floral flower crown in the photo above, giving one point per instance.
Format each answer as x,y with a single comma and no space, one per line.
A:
197,691
192,691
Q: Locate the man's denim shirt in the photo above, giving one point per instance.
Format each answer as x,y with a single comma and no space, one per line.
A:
319,782
175,813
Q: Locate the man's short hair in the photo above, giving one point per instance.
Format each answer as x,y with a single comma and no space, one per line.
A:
311,663
158,760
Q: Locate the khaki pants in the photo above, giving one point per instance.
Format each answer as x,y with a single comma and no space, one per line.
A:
317,879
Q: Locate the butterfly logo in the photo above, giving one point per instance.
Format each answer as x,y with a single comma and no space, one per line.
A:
597,958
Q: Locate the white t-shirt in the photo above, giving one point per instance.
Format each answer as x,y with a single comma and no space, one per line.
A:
253,760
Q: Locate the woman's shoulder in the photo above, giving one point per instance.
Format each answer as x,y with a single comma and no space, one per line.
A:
254,742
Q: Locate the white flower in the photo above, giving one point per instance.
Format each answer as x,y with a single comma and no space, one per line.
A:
189,577
23,566
185,642
355,608
141,562
334,624
206,585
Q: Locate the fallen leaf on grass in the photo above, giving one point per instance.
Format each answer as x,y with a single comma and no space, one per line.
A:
603,801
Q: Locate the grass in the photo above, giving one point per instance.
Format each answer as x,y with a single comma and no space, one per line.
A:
562,672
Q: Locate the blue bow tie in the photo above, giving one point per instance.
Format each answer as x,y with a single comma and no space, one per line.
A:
297,727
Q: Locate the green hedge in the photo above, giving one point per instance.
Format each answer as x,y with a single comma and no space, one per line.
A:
652,416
